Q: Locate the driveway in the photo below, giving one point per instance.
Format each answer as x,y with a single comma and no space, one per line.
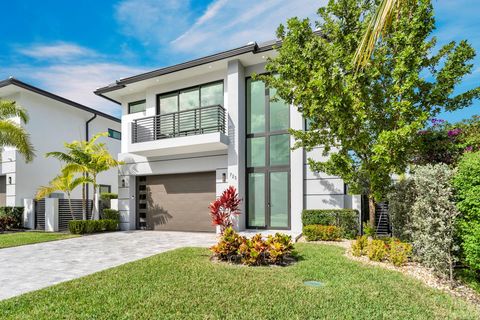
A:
32,267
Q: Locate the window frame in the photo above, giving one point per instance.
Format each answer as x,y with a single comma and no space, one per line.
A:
110,135
134,103
178,91
109,187
267,168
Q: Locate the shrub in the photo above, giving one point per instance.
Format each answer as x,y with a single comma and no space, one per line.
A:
359,246
368,230
256,251
433,218
15,214
400,200
399,252
5,222
318,232
377,250
110,214
91,226
108,196
467,191
347,219
225,208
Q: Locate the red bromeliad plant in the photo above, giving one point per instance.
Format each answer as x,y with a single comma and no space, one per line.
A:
224,208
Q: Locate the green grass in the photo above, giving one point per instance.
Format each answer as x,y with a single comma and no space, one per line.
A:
184,284
21,238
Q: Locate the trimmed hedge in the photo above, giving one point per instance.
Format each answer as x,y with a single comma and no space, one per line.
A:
111,214
346,219
92,226
108,196
14,215
317,232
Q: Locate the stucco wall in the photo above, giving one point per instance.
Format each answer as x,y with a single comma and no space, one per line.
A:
51,124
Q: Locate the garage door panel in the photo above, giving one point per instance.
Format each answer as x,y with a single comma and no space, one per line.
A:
180,201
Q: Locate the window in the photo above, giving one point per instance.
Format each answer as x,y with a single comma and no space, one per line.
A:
105,188
137,106
202,96
114,134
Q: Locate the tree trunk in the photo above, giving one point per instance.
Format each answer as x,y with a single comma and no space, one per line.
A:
95,213
70,205
84,202
371,210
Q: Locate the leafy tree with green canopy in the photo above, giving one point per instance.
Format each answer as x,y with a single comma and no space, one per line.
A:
65,182
87,158
367,120
11,133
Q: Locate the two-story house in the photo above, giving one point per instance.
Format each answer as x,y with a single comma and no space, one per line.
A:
192,129
54,121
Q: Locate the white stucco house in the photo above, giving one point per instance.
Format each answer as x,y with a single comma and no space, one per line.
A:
192,129
53,121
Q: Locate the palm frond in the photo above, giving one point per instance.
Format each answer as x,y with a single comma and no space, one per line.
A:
13,135
383,18
10,109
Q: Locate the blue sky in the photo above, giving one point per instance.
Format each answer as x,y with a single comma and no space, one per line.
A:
72,49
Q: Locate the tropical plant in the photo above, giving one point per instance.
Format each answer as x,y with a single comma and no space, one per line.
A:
13,134
367,122
65,182
434,218
386,12
223,209
90,159
467,192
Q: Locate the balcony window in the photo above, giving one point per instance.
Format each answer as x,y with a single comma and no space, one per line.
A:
137,106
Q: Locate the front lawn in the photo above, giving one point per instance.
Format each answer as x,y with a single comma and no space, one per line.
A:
184,284
20,238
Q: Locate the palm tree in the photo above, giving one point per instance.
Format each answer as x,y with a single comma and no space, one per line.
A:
65,182
88,158
13,134
386,12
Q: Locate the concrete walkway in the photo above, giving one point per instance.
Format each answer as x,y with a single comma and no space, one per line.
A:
32,267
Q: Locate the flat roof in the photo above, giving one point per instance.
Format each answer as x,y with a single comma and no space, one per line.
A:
26,86
252,47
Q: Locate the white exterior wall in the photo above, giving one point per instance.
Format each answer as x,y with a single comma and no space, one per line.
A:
309,190
52,123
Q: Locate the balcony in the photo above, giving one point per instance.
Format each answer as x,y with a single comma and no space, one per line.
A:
187,131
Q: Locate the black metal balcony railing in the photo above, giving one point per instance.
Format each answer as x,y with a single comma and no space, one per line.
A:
176,124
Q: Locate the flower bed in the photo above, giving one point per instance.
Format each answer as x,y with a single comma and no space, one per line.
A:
234,248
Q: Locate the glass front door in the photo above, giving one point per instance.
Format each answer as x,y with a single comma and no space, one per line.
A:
267,159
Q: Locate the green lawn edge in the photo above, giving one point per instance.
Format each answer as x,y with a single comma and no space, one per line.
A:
184,283
10,240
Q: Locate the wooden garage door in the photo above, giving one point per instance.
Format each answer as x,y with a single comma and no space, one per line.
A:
179,202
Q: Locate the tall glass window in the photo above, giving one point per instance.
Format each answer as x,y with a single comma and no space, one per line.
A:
267,158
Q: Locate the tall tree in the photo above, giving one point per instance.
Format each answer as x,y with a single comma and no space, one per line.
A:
65,182
367,121
13,134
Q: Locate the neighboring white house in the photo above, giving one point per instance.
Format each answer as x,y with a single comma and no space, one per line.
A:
53,121
192,129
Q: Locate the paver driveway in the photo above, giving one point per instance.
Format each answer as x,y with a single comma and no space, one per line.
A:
31,267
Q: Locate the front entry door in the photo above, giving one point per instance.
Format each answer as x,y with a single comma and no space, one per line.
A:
268,159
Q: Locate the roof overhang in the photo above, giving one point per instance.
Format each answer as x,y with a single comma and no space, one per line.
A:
12,86
248,55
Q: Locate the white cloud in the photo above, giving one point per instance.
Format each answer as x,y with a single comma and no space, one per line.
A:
71,71
224,24
152,21
58,50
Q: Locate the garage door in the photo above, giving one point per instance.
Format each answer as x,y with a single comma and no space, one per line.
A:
179,202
